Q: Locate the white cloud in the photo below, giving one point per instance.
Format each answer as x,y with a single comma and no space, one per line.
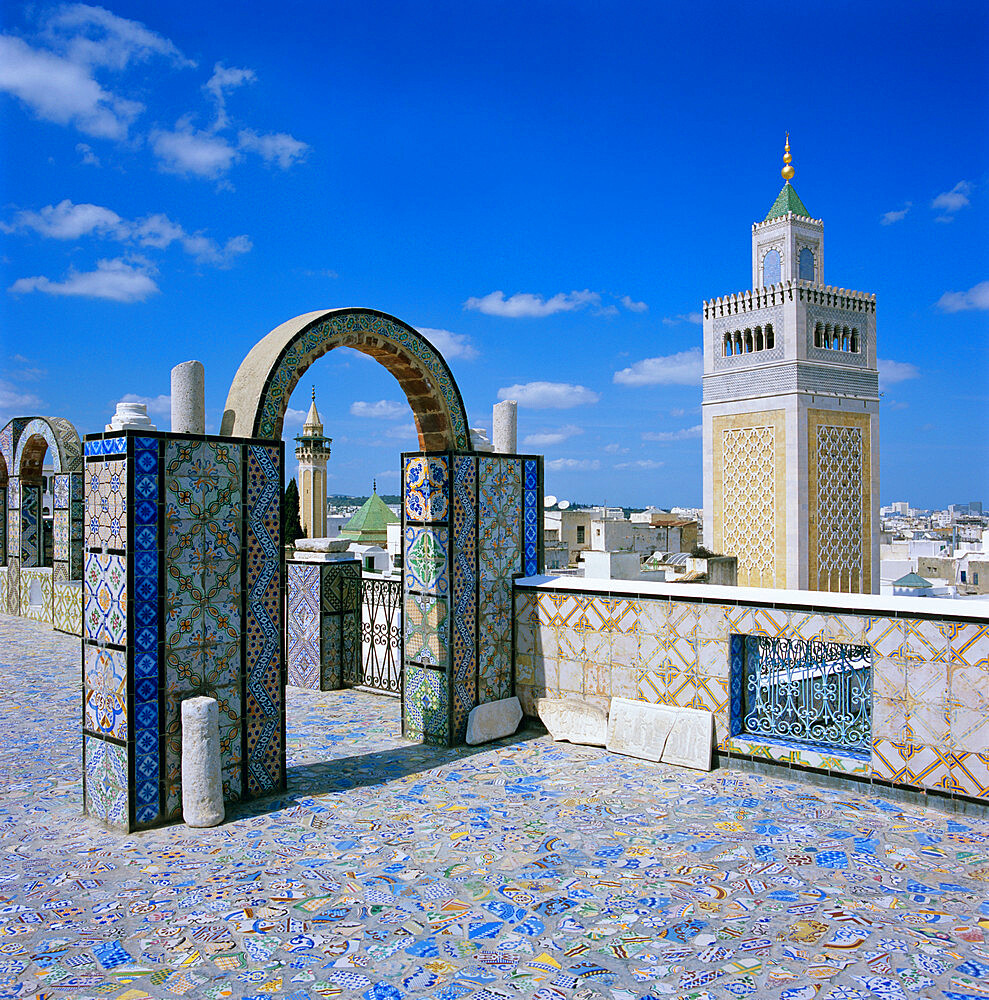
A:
683,368
615,449
116,280
691,317
632,306
573,465
294,418
387,474
890,217
977,297
222,80
13,398
93,36
383,409
403,432
952,201
681,435
58,90
891,372
549,395
449,344
89,158
546,438
642,463
276,147
525,304
158,406
678,411
66,221
185,150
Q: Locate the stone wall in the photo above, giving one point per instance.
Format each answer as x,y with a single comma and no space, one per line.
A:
672,644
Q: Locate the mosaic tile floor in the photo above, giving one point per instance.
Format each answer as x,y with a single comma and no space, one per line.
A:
533,869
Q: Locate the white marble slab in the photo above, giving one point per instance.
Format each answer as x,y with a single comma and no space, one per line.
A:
493,720
665,733
574,720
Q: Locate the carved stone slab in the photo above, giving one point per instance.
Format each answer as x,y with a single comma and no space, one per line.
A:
573,720
664,733
493,720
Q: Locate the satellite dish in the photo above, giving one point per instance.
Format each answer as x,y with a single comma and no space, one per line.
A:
549,501
564,504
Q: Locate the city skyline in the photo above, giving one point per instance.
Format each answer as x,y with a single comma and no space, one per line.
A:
548,194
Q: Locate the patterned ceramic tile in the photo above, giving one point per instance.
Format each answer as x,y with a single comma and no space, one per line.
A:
464,671
36,594
426,560
106,781
105,691
532,506
303,628
3,589
427,488
106,504
29,524
425,704
105,598
265,734
426,629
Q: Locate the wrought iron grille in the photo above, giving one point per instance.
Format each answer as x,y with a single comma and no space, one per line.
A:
808,691
381,635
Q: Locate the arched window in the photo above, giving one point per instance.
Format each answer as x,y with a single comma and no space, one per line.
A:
748,341
855,340
818,335
769,336
827,335
771,268
806,264
738,341
727,345
845,345
758,338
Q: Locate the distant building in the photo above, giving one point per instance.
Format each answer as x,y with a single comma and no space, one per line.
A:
312,453
791,416
369,526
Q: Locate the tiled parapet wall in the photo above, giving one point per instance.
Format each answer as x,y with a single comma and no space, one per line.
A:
67,610
471,522
36,594
324,623
181,597
672,644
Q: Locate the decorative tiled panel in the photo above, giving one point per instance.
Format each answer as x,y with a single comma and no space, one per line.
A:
30,524
105,598
3,589
67,608
60,492
425,704
14,492
106,504
426,560
147,600
264,722
3,528
427,489
426,629
104,446
303,627
36,593
105,691
531,505
105,776
464,630
60,533
13,586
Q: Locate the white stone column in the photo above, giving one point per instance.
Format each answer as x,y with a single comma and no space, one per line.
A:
202,782
189,398
504,432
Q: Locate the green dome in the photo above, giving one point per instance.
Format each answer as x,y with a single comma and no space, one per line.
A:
787,201
369,526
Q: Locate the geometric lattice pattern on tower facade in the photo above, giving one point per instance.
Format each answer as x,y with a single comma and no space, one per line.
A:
839,509
749,516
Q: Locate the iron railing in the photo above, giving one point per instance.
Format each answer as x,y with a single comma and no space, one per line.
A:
381,635
808,691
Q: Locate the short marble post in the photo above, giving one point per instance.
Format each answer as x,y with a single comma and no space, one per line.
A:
504,433
202,783
189,398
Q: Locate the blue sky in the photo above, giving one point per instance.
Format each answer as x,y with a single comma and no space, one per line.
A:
554,187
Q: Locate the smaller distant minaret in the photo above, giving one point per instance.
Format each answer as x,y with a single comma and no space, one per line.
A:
312,454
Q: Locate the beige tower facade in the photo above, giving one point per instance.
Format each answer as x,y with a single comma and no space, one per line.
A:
791,416
312,453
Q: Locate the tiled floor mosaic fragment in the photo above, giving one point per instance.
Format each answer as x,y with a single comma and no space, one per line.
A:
390,871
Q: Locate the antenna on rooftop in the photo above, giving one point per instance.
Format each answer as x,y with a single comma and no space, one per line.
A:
563,504
549,501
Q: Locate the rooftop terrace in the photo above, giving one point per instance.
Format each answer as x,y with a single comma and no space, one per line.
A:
525,868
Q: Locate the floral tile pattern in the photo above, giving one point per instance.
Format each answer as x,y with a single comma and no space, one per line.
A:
425,704
106,504
464,625
105,598
426,560
36,594
105,691
303,628
427,488
106,781
426,629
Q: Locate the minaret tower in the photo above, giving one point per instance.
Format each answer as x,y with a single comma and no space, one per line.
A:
313,453
791,416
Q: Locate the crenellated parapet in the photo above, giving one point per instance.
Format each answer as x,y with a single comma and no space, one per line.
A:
789,291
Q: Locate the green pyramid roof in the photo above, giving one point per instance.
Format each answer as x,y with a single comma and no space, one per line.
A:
911,580
369,525
787,201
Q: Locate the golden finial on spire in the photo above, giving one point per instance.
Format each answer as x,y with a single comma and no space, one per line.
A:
787,171
314,394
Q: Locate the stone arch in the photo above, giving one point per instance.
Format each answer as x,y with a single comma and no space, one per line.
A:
264,382
47,434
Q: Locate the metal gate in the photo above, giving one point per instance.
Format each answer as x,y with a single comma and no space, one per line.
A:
381,635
